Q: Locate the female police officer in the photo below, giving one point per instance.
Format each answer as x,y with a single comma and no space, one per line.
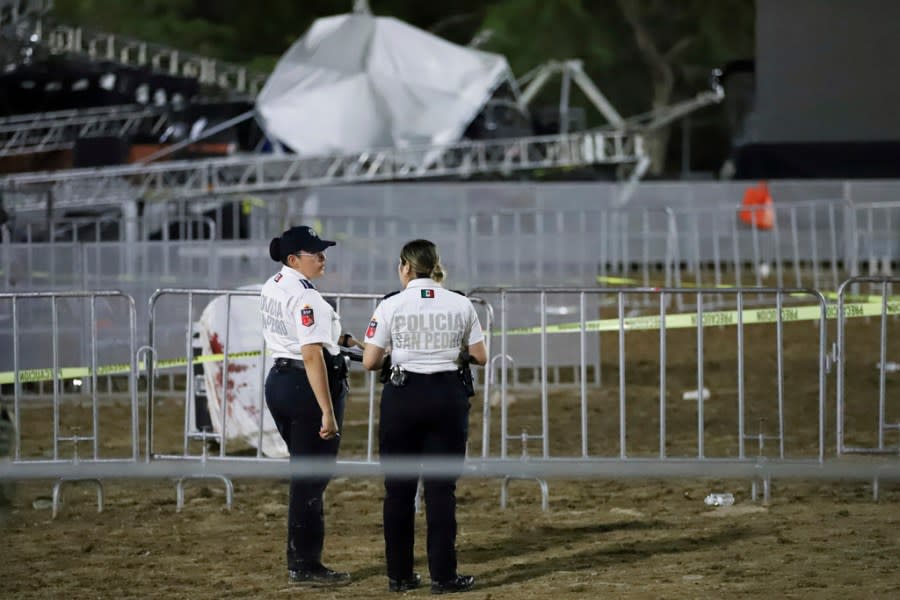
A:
424,409
305,389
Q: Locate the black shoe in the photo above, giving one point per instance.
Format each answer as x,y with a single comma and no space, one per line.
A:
404,585
319,576
460,583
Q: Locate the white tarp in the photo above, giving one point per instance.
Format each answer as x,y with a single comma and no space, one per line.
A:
242,389
355,82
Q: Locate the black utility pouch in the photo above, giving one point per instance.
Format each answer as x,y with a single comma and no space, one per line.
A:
384,376
398,376
465,376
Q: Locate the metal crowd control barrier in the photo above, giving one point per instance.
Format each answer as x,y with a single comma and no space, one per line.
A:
565,246
700,321
224,352
880,306
722,431
74,339
873,229
487,326
803,247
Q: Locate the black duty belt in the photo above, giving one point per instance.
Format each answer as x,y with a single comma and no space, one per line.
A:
289,363
335,365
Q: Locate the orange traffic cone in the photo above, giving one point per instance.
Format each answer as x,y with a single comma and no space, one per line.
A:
757,208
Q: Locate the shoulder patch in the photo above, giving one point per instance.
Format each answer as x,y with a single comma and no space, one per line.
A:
373,325
307,317
386,296
458,292
278,277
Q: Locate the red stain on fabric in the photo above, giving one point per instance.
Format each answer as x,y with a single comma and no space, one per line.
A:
215,345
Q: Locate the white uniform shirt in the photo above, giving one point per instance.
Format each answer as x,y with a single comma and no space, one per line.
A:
295,314
426,327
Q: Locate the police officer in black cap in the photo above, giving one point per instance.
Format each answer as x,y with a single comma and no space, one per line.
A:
305,390
424,410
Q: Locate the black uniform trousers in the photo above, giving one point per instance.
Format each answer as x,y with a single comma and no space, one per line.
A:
298,417
428,417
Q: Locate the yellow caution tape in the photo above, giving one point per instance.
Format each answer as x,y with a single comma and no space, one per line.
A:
616,280
750,316
28,375
673,321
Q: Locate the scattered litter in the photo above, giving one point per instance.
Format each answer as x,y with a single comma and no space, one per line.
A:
692,394
42,503
719,499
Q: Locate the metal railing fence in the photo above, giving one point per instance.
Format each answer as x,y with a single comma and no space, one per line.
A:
83,346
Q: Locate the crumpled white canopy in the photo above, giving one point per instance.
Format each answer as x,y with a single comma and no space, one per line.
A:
355,82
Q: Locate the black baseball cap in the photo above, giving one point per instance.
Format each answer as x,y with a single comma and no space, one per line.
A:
296,239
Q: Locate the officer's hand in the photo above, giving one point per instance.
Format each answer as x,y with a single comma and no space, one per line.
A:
329,429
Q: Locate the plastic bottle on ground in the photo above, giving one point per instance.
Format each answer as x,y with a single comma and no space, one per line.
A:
719,499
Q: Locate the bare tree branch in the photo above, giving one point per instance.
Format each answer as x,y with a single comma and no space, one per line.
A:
662,76
679,47
642,36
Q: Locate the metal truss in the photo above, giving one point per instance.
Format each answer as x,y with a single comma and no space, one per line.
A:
570,70
99,46
42,132
13,11
258,173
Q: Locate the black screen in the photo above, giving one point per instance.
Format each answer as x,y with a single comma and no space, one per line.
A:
827,71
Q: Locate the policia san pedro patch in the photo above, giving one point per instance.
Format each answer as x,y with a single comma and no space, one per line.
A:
307,318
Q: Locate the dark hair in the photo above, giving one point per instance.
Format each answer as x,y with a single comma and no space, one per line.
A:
275,250
422,257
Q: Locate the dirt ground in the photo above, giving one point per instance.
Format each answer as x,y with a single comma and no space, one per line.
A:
600,538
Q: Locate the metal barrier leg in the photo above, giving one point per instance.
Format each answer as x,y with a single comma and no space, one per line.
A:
57,493
179,490
179,483
766,489
545,491
504,486
417,502
56,489
545,495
